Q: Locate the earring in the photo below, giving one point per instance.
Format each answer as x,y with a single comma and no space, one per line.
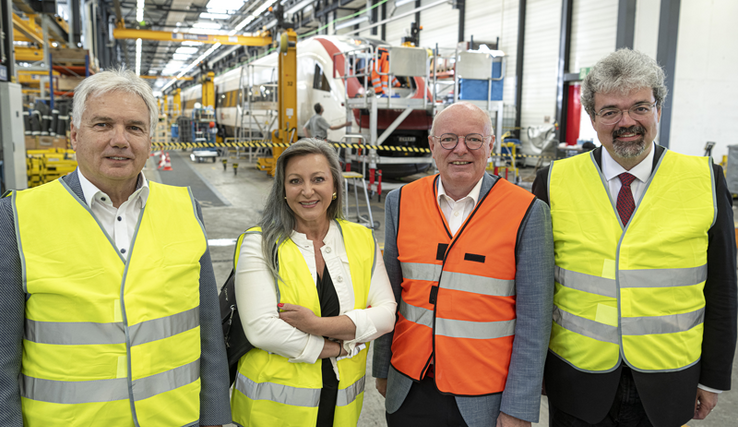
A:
285,197
334,196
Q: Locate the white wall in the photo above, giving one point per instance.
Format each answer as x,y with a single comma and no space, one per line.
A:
705,95
440,25
542,29
488,19
593,36
593,31
646,34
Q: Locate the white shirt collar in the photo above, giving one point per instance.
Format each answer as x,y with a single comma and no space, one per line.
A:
611,169
89,190
473,194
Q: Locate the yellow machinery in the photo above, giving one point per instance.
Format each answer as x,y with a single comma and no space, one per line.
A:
286,133
47,165
177,106
167,36
208,90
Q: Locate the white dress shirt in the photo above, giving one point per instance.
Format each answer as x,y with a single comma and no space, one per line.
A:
642,171
120,223
257,299
456,211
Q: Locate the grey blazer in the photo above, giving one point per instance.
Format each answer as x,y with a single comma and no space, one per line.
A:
534,281
214,400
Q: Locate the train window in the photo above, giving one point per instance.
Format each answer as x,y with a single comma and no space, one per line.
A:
320,82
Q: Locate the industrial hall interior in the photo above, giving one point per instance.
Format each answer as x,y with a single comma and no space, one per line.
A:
368,212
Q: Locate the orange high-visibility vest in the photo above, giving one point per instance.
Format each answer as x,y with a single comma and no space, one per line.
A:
458,292
379,82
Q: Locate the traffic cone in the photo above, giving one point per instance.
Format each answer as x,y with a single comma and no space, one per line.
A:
167,163
162,160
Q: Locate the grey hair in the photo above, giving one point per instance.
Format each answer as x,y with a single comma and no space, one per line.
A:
622,72
278,220
112,81
469,106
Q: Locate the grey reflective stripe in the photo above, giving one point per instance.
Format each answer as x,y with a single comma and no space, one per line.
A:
458,281
74,333
585,282
90,333
286,395
150,386
669,324
73,392
165,327
474,330
349,394
478,284
418,271
457,328
77,392
419,315
662,278
586,327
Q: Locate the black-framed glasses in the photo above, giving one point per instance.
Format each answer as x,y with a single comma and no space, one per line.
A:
610,116
473,141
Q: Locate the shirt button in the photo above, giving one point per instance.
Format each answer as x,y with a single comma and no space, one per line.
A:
327,249
120,219
122,251
456,213
339,279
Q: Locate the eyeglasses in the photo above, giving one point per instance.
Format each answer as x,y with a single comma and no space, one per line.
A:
473,141
610,116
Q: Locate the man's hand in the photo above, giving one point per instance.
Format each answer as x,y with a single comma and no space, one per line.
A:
504,420
381,384
300,317
704,403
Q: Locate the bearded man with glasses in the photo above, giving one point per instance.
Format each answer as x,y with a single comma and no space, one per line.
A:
470,260
644,317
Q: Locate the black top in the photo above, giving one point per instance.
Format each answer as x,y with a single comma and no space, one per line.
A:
329,307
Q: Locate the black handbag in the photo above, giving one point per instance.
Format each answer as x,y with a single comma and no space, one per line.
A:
236,342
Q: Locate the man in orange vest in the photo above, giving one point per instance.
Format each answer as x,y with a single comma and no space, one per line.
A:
379,81
470,259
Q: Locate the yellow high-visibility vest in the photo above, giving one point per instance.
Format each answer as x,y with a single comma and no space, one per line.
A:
631,290
109,341
271,391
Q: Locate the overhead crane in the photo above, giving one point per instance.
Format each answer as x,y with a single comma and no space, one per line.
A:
167,36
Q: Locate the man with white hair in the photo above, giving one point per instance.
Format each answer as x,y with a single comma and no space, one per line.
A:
109,301
470,259
644,311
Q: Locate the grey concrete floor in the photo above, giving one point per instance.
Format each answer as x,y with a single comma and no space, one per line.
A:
244,193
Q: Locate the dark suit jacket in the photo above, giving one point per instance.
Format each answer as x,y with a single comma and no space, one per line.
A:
534,289
214,401
668,398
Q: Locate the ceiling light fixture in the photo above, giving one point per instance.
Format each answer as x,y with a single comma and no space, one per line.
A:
352,22
140,10
250,18
139,43
210,15
298,6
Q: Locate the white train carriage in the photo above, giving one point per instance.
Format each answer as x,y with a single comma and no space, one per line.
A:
315,83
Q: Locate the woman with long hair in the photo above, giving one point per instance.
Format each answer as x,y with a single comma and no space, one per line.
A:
312,291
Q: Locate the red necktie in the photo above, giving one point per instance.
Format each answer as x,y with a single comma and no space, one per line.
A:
625,204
